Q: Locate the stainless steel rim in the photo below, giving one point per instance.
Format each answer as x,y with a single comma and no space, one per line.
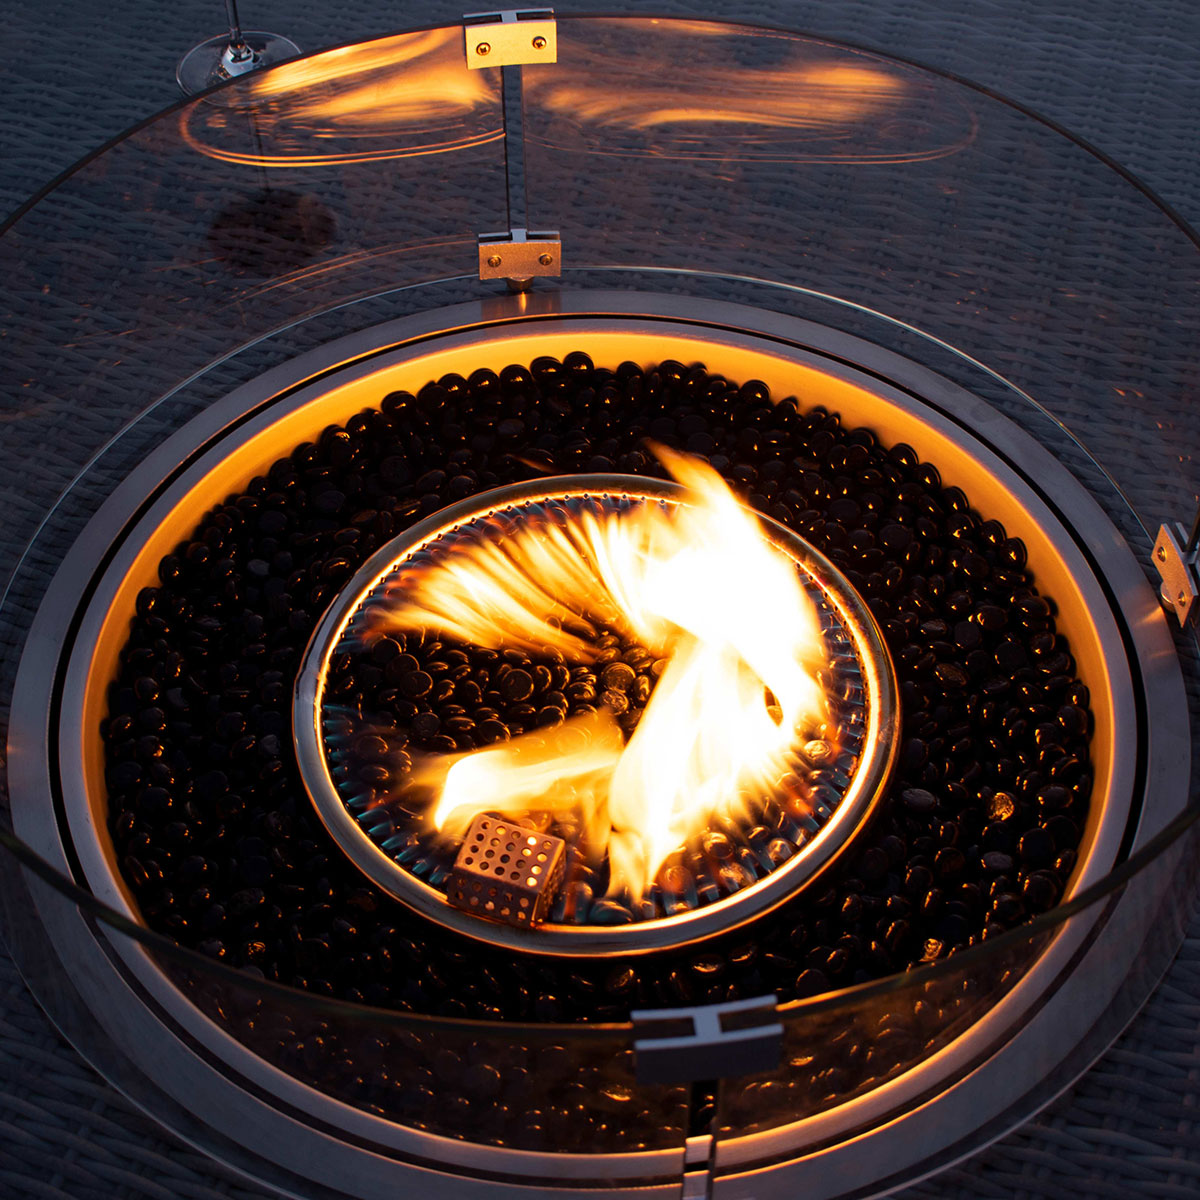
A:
857,804
208,1072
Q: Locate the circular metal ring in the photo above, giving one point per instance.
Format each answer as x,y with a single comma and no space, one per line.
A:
858,802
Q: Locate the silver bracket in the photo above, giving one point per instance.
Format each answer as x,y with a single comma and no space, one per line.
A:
516,38
1176,554
711,1041
697,1168
520,254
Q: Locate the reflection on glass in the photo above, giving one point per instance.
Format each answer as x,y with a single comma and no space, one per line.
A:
739,97
392,98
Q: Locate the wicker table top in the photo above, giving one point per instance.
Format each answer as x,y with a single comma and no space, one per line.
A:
1125,77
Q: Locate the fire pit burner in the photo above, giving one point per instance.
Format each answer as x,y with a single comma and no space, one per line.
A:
358,738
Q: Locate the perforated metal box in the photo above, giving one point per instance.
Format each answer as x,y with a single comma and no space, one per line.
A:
506,872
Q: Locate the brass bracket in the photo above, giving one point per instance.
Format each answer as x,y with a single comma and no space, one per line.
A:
520,254
1176,555
515,38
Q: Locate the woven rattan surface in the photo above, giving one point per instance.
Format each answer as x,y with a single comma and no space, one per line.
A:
1126,77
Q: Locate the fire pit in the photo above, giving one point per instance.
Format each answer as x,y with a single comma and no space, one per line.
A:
913,857
777,914
471,799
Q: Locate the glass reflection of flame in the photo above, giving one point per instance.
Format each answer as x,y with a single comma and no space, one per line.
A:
812,96
391,98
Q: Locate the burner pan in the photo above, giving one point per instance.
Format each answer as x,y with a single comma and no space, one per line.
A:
861,683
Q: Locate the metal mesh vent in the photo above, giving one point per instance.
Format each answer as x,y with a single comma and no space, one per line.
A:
507,872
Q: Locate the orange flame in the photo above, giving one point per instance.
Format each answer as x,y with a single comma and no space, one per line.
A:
563,768
696,583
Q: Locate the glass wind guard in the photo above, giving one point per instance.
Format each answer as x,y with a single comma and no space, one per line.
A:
925,1040
527,1088
692,146
814,176
285,193
848,1060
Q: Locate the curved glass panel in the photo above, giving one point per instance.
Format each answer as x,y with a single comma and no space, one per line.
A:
241,211
781,159
336,191
576,1088
930,1029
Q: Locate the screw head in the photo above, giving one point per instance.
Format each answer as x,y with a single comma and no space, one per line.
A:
1162,554
545,259
483,48
539,42
1181,598
493,261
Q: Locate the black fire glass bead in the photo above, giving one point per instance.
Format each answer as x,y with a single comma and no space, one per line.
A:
995,861
1007,909
951,676
610,912
517,685
918,800
873,865
1064,864
1053,798
949,863
416,684
618,676
1002,807
1036,848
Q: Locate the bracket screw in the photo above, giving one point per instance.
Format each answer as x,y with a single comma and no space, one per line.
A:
1162,554
493,261
483,48
545,259
539,42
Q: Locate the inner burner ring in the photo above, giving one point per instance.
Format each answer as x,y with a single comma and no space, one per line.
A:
866,710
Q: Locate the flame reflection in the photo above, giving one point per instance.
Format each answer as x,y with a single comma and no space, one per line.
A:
392,98
848,109
815,96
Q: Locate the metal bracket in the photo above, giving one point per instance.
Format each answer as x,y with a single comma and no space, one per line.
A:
697,1168
516,38
715,1041
1176,555
520,254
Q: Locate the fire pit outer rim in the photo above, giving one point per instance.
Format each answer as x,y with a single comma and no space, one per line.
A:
57,662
